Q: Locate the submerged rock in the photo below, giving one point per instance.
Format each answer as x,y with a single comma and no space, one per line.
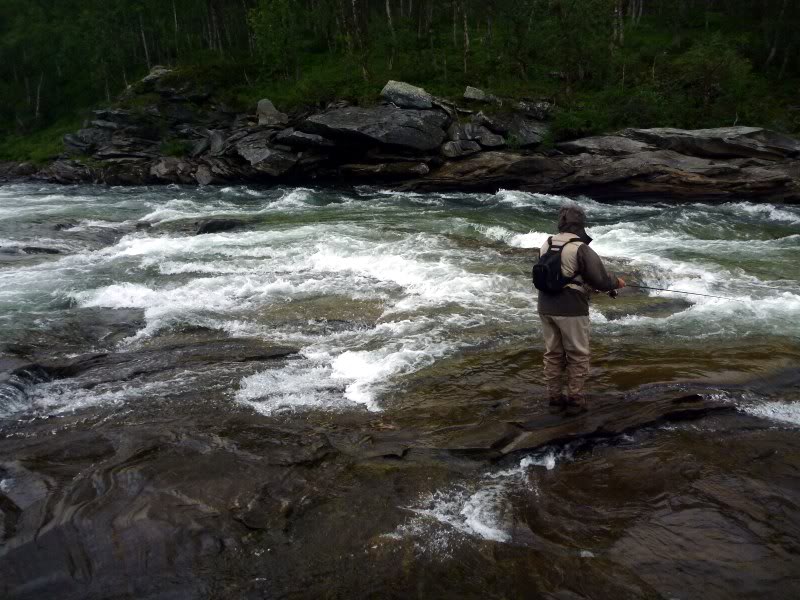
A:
217,225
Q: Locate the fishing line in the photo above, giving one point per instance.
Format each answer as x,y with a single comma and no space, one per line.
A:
644,287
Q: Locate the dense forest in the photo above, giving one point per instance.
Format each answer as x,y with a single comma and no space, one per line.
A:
605,63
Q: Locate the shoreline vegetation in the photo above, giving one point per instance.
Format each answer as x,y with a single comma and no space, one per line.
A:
521,85
606,64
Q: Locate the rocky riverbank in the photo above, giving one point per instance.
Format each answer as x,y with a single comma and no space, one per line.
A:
173,131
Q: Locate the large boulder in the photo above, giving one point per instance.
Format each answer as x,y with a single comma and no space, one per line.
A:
174,170
391,170
516,128
66,171
269,116
490,171
478,95
217,170
10,171
459,148
156,74
609,145
299,139
128,147
406,95
255,149
722,142
475,133
405,129
86,140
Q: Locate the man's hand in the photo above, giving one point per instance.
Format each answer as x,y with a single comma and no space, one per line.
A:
620,283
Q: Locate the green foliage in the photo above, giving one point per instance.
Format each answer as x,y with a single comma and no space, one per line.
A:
175,147
39,147
683,63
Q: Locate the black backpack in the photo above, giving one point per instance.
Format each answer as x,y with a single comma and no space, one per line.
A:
547,276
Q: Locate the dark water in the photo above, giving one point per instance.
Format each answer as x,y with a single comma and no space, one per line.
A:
278,411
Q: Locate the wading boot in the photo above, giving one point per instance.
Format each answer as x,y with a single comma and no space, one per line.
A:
559,401
576,405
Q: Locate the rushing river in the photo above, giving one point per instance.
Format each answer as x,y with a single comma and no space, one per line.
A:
195,415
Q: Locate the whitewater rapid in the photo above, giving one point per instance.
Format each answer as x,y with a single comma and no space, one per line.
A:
374,286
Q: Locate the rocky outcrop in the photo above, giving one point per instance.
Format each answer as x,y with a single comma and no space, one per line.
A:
411,130
12,171
619,166
474,94
723,142
414,140
405,95
270,116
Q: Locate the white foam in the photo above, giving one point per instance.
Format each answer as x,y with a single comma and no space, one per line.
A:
531,239
783,412
481,511
770,211
179,209
66,396
297,385
476,514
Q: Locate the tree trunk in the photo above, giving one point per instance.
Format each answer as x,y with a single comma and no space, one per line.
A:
785,62
175,16
38,95
144,43
455,25
466,36
390,22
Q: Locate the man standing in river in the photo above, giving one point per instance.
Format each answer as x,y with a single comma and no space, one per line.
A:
565,314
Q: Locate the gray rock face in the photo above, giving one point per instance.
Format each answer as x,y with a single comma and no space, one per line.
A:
216,142
617,166
475,133
66,171
524,132
477,95
255,149
270,116
460,148
298,139
127,146
391,170
517,129
609,145
406,95
16,170
173,169
156,73
203,175
87,140
722,142
408,129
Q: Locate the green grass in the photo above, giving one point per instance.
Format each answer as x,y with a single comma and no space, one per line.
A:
38,147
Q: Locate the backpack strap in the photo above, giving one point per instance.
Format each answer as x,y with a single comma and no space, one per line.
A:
561,248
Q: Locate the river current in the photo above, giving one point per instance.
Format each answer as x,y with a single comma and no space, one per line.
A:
385,311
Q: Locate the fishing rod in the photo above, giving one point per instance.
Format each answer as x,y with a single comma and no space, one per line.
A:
644,287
